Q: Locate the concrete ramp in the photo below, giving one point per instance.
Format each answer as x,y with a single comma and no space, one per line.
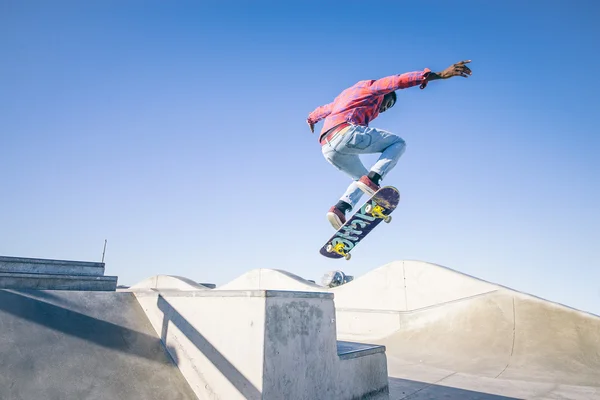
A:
431,318
451,335
409,285
271,279
63,345
501,336
167,282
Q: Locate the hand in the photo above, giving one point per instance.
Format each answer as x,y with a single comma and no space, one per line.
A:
458,69
311,126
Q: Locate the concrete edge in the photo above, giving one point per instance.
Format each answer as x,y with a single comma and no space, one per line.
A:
382,311
232,293
45,261
351,350
57,276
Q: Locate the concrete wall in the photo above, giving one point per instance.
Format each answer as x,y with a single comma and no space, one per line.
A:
45,266
362,372
300,347
261,345
44,274
57,282
216,341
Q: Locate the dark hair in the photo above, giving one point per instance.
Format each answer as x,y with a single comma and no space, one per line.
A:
392,95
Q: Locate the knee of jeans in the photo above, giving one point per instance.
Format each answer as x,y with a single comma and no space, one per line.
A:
401,145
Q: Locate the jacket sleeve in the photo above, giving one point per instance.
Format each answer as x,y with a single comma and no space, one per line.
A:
403,81
319,113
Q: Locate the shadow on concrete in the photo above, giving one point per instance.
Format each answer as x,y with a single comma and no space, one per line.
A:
73,323
237,379
48,351
49,296
405,389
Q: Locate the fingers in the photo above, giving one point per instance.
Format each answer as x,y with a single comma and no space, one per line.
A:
463,70
459,69
461,66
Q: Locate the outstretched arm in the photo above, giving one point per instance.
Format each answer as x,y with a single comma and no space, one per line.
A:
402,81
458,69
409,79
318,114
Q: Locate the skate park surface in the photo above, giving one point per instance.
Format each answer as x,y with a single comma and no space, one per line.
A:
449,335
445,335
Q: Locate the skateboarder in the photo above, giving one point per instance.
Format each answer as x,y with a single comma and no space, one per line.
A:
346,132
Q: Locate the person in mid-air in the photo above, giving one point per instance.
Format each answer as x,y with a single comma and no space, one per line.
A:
346,132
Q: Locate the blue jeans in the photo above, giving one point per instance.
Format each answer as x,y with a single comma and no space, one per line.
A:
343,153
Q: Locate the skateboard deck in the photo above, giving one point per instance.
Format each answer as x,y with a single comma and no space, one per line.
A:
378,208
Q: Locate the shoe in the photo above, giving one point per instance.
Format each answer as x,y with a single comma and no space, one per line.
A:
367,185
336,217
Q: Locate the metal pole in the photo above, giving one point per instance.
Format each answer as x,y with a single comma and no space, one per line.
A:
104,251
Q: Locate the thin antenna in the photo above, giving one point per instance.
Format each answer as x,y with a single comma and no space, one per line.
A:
104,251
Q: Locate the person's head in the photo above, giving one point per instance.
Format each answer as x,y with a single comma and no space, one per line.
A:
388,102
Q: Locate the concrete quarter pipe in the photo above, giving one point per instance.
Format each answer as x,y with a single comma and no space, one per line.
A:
442,326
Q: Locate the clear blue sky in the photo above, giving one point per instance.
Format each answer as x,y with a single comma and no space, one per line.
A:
176,131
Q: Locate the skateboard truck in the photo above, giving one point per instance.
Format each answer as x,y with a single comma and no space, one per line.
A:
377,212
338,248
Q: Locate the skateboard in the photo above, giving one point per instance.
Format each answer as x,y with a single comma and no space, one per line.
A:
378,208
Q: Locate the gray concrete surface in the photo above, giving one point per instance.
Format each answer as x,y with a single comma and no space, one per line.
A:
502,336
57,282
57,345
453,336
256,344
168,282
49,266
447,335
457,336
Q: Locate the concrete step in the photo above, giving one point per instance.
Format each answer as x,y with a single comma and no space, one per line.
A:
347,350
54,267
9,280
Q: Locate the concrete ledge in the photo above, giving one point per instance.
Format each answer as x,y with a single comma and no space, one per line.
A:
363,377
57,282
232,293
348,350
169,282
45,266
262,344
